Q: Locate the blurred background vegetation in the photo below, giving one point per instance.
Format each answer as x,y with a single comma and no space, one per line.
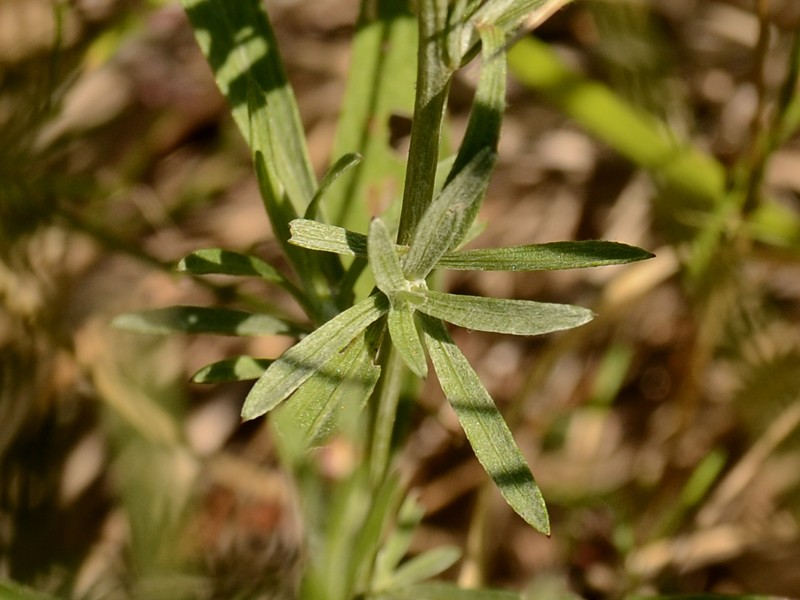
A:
664,435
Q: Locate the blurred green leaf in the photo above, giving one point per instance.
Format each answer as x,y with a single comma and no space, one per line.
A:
309,416
486,430
500,315
380,90
10,590
425,566
396,546
239,368
156,484
202,319
215,261
309,355
353,525
544,257
444,591
635,134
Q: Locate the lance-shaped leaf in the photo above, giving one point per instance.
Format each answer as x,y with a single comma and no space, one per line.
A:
397,544
238,368
339,168
240,45
402,295
510,14
486,115
484,426
449,216
309,416
544,257
216,261
405,338
311,269
483,129
500,315
531,257
385,263
314,235
425,566
301,361
201,319
380,85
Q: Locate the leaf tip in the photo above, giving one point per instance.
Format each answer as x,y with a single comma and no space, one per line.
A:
250,412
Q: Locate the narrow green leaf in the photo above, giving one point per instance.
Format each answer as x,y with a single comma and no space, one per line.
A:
532,257
686,173
483,129
484,426
239,44
446,219
384,261
215,261
405,338
314,235
486,115
301,361
444,591
309,416
239,368
432,87
339,168
396,546
544,257
425,566
202,319
500,315
380,87
382,503
511,14
309,268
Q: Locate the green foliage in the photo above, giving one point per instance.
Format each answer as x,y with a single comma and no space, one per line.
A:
354,356
201,319
10,590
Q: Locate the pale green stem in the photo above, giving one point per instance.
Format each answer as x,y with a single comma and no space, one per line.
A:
385,412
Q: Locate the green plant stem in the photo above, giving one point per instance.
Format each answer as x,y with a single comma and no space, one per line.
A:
386,400
473,567
433,83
